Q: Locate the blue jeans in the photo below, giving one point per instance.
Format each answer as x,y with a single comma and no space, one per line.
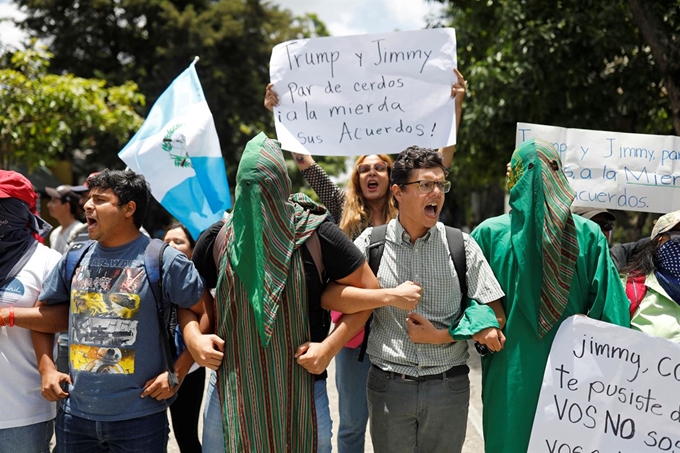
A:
350,379
213,431
324,424
430,415
33,438
138,435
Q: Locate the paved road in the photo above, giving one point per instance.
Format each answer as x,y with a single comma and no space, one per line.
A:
474,442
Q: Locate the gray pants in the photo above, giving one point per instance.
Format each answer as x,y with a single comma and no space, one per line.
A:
430,415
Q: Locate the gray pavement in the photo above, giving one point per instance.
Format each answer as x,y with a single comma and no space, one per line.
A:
474,442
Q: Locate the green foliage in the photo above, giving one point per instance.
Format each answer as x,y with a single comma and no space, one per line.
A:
152,41
570,63
42,114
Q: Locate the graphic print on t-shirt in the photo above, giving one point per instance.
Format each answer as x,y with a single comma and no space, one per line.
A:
105,308
13,287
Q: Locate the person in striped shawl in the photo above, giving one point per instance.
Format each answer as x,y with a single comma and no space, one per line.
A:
272,346
551,265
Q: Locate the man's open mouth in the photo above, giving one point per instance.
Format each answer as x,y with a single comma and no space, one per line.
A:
431,210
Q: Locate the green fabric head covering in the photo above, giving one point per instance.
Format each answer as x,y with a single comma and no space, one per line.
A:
543,232
267,225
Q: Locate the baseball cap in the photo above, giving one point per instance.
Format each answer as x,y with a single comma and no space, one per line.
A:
16,185
665,223
64,192
590,212
83,187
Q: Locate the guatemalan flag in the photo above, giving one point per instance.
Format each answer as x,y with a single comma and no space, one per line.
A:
178,152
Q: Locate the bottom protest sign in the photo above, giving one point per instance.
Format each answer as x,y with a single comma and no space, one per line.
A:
608,389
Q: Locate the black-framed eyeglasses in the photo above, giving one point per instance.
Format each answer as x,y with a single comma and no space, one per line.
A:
606,226
379,167
427,186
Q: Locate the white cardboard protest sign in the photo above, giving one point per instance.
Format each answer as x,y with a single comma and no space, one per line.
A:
634,172
365,94
608,389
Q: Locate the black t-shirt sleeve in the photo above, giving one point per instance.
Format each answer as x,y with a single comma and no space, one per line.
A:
340,255
203,254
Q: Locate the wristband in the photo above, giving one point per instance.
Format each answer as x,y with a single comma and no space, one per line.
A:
11,316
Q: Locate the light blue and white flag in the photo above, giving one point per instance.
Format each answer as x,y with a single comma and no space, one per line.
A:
178,152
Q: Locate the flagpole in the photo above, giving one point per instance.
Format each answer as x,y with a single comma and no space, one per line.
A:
196,58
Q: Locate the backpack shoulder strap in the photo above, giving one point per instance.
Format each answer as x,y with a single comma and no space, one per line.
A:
73,257
456,242
153,265
220,245
313,244
376,247
375,252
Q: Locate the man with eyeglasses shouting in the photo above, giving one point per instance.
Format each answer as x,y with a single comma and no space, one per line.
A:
418,387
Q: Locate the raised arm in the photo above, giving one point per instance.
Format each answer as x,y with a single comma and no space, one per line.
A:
458,93
329,193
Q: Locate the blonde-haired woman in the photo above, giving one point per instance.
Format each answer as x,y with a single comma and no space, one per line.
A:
367,202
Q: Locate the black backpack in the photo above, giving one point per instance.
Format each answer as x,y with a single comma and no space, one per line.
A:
454,237
153,265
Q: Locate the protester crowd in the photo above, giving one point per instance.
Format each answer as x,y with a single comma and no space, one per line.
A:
269,295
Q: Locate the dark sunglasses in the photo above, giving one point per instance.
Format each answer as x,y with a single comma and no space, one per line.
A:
606,226
379,167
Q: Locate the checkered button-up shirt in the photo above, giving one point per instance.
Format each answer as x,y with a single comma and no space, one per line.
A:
428,263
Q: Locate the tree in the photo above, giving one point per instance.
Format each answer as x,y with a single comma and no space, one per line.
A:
572,63
152,41
659,27
43,115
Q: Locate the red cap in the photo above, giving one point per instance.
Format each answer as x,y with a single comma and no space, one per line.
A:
83,187
15,185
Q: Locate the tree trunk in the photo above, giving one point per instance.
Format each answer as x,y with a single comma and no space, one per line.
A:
666,53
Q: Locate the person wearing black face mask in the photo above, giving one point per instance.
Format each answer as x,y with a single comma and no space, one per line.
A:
27,419
653,281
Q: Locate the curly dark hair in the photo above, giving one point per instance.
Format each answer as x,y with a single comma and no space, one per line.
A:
413,158
128,186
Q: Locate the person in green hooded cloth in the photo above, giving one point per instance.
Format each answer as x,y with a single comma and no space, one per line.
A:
551,265
272,346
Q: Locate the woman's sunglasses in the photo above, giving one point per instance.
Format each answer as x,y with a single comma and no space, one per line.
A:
378,167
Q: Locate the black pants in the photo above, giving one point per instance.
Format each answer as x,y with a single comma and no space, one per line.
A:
186,410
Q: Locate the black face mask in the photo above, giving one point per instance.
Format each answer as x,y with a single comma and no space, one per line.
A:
16,237
14,216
